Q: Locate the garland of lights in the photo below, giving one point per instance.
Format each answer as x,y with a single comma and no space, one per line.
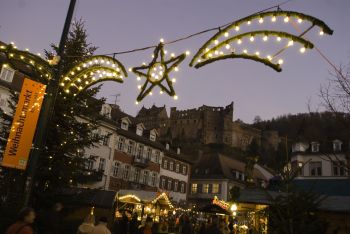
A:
157,72
206,55
91,71
165,196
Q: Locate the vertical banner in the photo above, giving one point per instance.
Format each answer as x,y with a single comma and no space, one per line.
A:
23,126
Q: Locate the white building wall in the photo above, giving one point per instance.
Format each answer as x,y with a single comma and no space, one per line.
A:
177,196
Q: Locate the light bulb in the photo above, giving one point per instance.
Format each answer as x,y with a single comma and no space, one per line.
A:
136,102
139,86
237,28
321,33
269,57
227,46
239,41
176,69
286,19
188,52
251,38
278,38
226,34
273,19
207,49
165,52
280,61
265,38
302,50
257,53
261,20
290,43
173,80
138,78
300,21
161,91
150,93
161,40
172,55
176,97
216,52
216,42
245,51
210,55
130,69
249,22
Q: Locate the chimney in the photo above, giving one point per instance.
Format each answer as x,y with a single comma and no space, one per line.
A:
178,150
167,147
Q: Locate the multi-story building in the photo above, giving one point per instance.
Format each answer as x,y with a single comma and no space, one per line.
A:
205,125
216,174
317,161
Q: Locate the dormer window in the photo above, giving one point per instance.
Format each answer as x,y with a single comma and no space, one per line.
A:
337,145
315,147
139,129
125,123
7,73
153,135
106,110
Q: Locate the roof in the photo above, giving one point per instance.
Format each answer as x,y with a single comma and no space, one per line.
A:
219,166
330,187
146,112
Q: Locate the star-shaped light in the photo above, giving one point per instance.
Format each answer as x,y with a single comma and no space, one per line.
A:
157,71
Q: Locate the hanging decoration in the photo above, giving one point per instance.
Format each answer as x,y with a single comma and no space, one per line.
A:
91,71
213,49
157,73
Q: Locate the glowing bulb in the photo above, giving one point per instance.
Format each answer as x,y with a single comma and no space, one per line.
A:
286,19
139,86
226,34
269,57
210,55
278,38
188,52
216,42
216,52
136,102
150,93
290,43
265,38
239,41
261,20
251,39
172,55
249,22
161,92
245,51
321,33
227,46
300,21
207,49
161,40
257,53
237,28
302,50
273,19
165,52
176,69
130,69
176,97
173,80
280,61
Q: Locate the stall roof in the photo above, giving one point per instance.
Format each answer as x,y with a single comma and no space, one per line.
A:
147,196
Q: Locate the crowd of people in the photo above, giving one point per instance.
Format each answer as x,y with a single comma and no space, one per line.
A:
51,222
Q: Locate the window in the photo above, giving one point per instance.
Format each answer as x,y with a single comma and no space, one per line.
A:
145,177
90,164
131,147
170,183
149,153
337,145
7,73
177,167
162,183
121,143
171,166
102,164
140,152
137,175
116,169
315,168
153,179
338,168
184,170
205,188
176,186
152,136
194,188
126,172
215,188
182,188
106,111
157,156
3,100
315,147
165,164
139,130
125,125
105,139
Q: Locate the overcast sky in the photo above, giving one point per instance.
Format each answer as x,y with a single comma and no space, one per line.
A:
116,25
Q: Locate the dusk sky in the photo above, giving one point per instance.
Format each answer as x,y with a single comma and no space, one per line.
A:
115,25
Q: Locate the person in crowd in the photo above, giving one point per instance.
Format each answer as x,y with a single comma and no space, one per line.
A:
101,227
134,225
147,228
51,221
24,222
186,227
213,227
223,227
87,226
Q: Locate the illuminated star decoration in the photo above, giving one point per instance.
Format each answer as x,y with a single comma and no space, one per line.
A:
158,73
